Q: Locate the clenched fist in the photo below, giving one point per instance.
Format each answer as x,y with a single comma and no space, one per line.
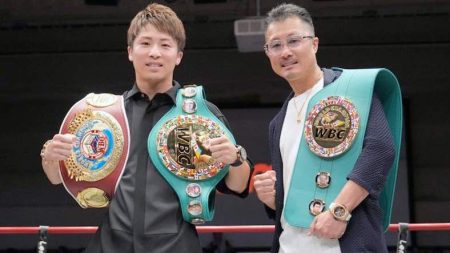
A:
57,149
265,187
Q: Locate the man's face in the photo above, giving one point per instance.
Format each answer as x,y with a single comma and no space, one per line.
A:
323,179
294,61
154,55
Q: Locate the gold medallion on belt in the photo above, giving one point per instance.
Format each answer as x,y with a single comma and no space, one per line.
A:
331,126
183,146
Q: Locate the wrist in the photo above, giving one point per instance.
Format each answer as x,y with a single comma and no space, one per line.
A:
241,156
44,148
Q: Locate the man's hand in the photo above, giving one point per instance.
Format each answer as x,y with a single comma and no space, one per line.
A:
59,148
325,225
264,185
222,150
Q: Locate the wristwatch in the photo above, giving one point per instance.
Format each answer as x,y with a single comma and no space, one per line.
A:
241,156
44,147
340,212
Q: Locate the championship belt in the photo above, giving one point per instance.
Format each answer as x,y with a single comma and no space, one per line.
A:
93,170
178,146
332,141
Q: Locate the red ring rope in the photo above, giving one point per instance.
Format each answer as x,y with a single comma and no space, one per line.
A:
210,229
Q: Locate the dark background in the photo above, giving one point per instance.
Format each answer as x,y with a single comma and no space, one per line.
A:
54,52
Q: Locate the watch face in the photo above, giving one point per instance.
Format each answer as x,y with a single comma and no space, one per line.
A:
339,211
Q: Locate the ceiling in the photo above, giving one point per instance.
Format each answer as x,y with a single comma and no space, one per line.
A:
14,12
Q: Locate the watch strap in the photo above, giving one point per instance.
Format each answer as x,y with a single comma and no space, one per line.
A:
239,160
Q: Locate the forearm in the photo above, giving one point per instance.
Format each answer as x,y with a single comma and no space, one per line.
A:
351,195
51,169
238,177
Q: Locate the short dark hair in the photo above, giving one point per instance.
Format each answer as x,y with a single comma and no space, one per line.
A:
284,11
163,19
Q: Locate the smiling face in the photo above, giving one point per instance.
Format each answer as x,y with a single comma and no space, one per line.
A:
154,55
295,64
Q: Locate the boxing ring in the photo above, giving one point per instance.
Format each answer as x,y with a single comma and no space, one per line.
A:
401,228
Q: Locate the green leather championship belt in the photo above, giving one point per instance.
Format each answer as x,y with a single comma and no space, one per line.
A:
178,146
332,141
93,170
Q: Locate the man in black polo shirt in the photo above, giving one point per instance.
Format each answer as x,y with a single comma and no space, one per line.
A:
145,215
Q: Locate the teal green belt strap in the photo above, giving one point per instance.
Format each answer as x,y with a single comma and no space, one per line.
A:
177,146
353,91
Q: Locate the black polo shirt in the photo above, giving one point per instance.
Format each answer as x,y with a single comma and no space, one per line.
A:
145,215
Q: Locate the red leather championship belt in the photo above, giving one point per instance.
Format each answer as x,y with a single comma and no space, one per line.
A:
93,170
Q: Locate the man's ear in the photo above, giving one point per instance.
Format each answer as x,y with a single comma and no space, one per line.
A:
179,57
316,44
130,51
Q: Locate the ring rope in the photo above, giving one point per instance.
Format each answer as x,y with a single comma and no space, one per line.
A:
209,229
